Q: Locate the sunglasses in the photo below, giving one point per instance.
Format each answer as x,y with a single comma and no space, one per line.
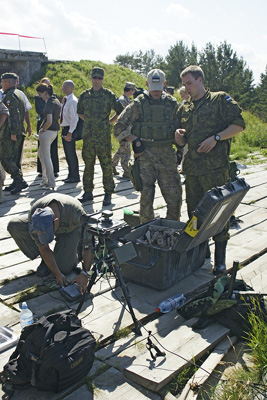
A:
97,77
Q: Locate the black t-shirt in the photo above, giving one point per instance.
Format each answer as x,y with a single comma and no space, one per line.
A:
52,106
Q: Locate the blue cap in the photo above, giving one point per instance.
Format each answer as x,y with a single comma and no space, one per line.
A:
42,222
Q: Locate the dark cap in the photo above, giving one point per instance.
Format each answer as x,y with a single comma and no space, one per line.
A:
42,222
9,75
98,72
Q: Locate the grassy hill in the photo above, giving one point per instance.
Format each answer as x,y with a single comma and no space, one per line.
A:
254,138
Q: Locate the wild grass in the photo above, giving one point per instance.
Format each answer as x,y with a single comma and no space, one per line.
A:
245,382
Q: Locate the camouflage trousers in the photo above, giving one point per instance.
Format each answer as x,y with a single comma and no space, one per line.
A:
10,156
197,186
124,154
159,165
102,150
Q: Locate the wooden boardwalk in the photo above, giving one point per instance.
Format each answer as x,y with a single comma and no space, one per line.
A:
123,367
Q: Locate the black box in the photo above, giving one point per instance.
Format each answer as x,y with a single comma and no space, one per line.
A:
161,268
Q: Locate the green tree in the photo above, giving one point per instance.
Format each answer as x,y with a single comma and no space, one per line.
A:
176,60
260,103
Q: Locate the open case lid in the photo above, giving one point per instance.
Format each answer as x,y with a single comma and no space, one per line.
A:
211,214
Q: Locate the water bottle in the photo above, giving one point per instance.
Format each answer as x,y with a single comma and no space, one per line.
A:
25,317
172,302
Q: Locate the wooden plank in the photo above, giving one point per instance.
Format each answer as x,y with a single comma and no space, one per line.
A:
183,345
193,386
113,386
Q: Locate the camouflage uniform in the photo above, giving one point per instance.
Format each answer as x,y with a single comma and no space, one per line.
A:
202,119
96,107
124,151
10,150
153,123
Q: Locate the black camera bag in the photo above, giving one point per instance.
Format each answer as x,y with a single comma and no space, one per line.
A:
52,354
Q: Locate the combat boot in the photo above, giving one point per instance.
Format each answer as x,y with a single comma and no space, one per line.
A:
42,270
87,196
1,194
219,257
115,172
20,184
10,187
107,199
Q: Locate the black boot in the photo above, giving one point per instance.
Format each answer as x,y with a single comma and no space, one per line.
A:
20,184
42,270
219,258
87,196
107,199
10,187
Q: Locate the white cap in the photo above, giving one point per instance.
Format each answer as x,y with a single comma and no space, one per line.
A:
156,79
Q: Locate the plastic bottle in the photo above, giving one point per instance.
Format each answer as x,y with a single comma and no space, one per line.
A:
172,302
25,317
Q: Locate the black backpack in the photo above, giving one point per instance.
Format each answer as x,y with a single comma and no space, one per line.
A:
52,354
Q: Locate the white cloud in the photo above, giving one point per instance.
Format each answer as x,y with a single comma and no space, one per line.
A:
177,10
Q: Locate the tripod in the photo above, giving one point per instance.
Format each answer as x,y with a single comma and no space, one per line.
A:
114,268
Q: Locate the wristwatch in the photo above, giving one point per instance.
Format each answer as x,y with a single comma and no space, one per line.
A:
217,138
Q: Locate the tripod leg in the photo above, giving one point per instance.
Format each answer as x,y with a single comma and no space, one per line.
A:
89,287
117,271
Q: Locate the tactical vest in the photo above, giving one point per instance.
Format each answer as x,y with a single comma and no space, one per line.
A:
155,125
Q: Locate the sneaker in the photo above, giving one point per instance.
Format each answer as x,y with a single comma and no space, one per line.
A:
107,199
115,172
87,196
42,270
19,186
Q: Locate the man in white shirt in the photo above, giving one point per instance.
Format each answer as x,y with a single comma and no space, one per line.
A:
68,122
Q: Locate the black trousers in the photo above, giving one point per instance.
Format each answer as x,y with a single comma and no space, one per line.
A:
71,156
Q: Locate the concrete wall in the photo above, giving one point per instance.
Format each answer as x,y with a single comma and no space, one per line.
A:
23,63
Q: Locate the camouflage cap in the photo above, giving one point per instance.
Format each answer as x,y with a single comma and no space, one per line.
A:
130,85
98,72
9,75
156,79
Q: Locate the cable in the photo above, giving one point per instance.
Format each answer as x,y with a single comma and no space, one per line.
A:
178,355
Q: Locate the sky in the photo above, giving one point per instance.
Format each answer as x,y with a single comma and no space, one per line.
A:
101,30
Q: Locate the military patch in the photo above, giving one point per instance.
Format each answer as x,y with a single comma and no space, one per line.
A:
228,98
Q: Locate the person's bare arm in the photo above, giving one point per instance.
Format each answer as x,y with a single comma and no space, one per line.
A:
49,258
82,279
207,145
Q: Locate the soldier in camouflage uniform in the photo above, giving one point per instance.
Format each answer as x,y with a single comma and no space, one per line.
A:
124,151
94,107
12,139
152,116
207,121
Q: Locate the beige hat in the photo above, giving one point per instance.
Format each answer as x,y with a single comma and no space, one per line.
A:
156,79
129,85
